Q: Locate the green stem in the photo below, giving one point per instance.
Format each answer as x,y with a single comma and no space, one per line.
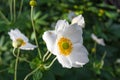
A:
104,55
11,13
16,64
45,55
20,10
95,45
19,57
14,52
51,63
24,60
14,4
48,56
35,32
32,72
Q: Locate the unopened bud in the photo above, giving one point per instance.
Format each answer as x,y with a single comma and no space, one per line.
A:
101,12
33,3
93,50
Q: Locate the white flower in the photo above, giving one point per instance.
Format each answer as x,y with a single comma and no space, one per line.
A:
20,40
67,44
79,20
98,40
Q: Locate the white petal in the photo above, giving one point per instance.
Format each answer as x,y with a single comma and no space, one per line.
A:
73,32
98,40
64,61
79,20
79,55
49,37
94,37
21,35
14,34
60,25
28,46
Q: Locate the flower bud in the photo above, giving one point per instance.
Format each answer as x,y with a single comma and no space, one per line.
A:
33,3
101,12
93,50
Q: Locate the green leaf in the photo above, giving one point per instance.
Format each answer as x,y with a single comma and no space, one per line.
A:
111,15
35,63
11,68
37,75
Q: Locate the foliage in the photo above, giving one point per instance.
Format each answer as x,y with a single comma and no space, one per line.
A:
101,19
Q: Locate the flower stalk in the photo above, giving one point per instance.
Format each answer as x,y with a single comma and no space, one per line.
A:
11,10
16,64
32,72
20,10
4,17
48,56
33,25
19,57
14,4
45,55
46,67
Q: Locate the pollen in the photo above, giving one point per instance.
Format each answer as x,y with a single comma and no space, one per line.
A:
64,46
21,41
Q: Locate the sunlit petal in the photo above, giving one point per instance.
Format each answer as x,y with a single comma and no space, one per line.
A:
61,25
73,32
15,34
49,37
79,55
64,61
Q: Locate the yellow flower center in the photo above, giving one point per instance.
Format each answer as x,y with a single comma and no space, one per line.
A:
65,46
18,43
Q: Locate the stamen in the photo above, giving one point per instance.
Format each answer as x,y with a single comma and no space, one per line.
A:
18,43
64,46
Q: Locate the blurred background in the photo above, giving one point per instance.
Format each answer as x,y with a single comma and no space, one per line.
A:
102,17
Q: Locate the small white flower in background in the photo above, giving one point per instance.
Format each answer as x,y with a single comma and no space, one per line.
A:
118,60
71,15
20,40
79,20
67,44
97,40
76,19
